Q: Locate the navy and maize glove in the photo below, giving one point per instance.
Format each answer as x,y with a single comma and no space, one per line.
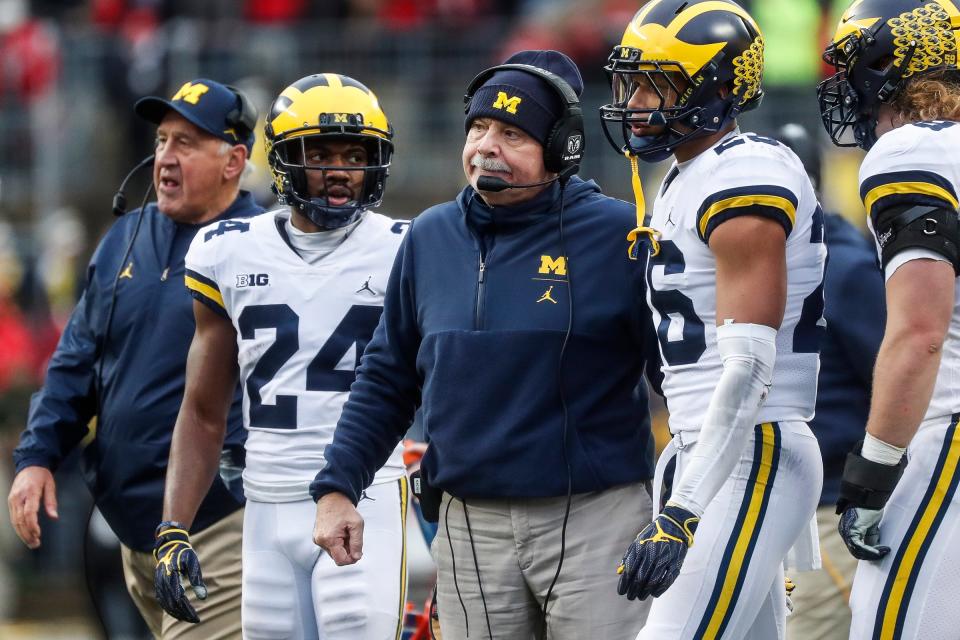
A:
860,530
175,559
652,561
864,490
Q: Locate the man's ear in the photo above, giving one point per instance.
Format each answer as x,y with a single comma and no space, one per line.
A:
237,158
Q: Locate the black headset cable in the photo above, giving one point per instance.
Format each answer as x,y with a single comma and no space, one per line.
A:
566,413
113,300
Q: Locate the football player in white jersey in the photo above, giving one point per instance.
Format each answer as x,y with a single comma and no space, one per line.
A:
896,94
287,301
735,282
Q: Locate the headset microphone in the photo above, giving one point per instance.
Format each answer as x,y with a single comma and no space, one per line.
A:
120,198
494,184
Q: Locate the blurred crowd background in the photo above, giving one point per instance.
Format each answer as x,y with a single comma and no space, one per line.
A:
70,71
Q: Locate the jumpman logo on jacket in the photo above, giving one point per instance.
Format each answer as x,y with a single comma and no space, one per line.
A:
127,271
366,287
547,297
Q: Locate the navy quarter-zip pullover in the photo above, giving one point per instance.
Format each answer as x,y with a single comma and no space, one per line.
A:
474,322
143,364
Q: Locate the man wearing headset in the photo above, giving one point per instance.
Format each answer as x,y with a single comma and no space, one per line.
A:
516,322
121,360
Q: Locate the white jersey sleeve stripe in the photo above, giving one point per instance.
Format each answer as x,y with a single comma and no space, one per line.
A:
766,201
906,187
206,291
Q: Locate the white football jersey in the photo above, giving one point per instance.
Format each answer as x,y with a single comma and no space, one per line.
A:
918,164
743,174
301,330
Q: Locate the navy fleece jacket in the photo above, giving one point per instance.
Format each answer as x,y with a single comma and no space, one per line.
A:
143,363
474,322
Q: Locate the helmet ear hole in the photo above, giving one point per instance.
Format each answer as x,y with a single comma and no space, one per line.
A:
882,64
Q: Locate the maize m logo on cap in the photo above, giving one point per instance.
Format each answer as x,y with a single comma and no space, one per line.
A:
190,92
510,103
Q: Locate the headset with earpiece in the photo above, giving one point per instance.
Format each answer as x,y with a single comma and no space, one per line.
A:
244,115
563,149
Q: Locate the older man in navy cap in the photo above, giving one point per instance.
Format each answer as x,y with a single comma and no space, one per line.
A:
516,319
121,358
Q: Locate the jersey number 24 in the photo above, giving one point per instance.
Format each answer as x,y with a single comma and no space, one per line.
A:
356,327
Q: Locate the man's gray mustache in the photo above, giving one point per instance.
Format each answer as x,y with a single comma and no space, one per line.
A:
489,164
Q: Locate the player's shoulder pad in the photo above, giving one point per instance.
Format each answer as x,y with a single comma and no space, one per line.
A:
215,242
385,225
748,174
912,165
210,239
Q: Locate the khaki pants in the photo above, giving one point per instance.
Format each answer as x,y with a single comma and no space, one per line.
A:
513,558
218,547
820,601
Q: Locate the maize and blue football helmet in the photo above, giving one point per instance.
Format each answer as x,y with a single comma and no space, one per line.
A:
327,107
685,50
877,47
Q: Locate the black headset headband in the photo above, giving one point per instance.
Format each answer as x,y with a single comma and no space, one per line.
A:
561,86
244,114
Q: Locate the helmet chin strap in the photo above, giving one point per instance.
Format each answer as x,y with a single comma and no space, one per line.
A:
657,119
327,217
638,146
865,131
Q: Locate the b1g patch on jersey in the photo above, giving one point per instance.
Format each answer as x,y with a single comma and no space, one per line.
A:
252,280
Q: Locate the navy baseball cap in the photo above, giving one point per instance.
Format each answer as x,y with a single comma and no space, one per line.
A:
219,110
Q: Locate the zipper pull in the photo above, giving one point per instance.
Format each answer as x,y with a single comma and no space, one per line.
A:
483,267
163,276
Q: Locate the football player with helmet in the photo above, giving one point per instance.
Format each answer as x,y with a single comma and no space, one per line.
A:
735,283
287,302
896,94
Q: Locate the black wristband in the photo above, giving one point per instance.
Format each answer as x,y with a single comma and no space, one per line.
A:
866,483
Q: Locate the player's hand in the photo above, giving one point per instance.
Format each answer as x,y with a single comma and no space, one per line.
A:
865,487
860,529
176,559
652,561
31,485
339,529
789,586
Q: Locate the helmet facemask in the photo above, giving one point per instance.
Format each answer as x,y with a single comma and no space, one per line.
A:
689,108
849,107
306,181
